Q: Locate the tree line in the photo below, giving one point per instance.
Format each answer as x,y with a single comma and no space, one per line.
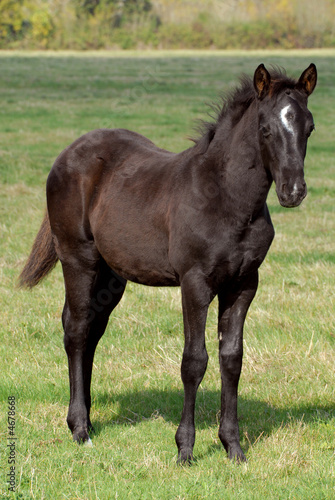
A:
167,24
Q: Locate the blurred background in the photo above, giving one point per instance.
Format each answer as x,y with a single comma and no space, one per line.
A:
166,24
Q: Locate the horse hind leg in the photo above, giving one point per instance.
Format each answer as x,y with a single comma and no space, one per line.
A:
107,293
92,292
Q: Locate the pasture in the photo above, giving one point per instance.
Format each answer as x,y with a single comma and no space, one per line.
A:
287,397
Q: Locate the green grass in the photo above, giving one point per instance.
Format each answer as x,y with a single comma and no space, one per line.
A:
287,399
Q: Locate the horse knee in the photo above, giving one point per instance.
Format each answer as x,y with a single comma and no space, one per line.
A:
231,363
75,337
75,329
194,366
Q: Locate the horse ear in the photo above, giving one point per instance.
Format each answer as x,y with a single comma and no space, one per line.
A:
262,80
308,79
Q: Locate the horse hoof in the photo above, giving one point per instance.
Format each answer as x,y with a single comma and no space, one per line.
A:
184,458
88,443
81,436
237,457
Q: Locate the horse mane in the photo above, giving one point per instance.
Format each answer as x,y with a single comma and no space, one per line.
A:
232,105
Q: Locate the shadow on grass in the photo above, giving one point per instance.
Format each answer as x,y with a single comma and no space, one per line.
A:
257,419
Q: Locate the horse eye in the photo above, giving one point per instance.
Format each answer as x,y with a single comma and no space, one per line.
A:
265,132
312,127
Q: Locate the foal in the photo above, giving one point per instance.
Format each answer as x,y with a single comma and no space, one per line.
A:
120,208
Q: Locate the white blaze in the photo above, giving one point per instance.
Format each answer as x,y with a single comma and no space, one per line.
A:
284,120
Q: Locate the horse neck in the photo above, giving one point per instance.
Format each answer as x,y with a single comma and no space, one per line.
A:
236,158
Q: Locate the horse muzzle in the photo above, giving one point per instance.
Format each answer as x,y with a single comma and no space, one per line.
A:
290,197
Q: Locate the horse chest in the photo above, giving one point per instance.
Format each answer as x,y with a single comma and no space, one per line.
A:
242,251
255,244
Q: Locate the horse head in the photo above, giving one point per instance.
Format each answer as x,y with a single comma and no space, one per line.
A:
284,125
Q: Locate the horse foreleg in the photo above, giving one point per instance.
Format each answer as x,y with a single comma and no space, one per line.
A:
195,300
233,307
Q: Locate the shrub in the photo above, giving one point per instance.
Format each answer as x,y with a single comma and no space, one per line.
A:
42,27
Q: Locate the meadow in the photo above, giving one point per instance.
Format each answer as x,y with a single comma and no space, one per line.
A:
287,396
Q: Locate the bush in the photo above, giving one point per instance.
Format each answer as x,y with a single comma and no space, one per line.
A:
195,35
42,27
11,21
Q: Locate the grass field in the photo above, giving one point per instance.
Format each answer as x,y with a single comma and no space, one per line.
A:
287,398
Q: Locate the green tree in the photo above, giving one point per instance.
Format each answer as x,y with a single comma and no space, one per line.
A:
120,8
11,18
42,26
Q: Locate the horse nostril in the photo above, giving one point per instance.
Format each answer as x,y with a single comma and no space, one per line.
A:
283,188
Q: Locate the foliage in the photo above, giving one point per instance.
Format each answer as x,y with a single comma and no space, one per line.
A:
41,26
11,18
83,24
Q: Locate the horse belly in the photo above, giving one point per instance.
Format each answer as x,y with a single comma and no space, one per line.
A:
134,247
147,265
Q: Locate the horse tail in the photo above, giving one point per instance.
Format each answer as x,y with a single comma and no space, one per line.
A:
42,258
